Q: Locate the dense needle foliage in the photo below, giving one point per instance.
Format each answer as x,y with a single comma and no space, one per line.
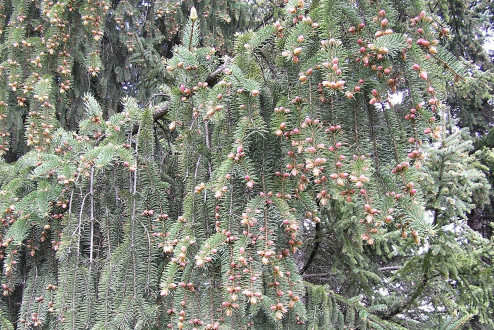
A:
241,165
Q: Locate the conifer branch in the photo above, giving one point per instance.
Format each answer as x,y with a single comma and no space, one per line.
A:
419,289
448,67
315,248
212,80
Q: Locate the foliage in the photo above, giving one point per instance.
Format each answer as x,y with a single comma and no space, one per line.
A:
313,176
469,26
468,31
108,48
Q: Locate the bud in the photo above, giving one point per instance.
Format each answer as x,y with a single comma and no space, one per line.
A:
193,14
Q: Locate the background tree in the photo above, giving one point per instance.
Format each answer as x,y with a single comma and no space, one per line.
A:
470,30
308,172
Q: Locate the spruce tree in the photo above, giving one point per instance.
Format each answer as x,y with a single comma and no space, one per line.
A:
161,170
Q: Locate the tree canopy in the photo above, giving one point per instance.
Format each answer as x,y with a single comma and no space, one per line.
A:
246,164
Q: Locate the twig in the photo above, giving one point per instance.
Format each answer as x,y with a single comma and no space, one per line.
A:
383,269
91,218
